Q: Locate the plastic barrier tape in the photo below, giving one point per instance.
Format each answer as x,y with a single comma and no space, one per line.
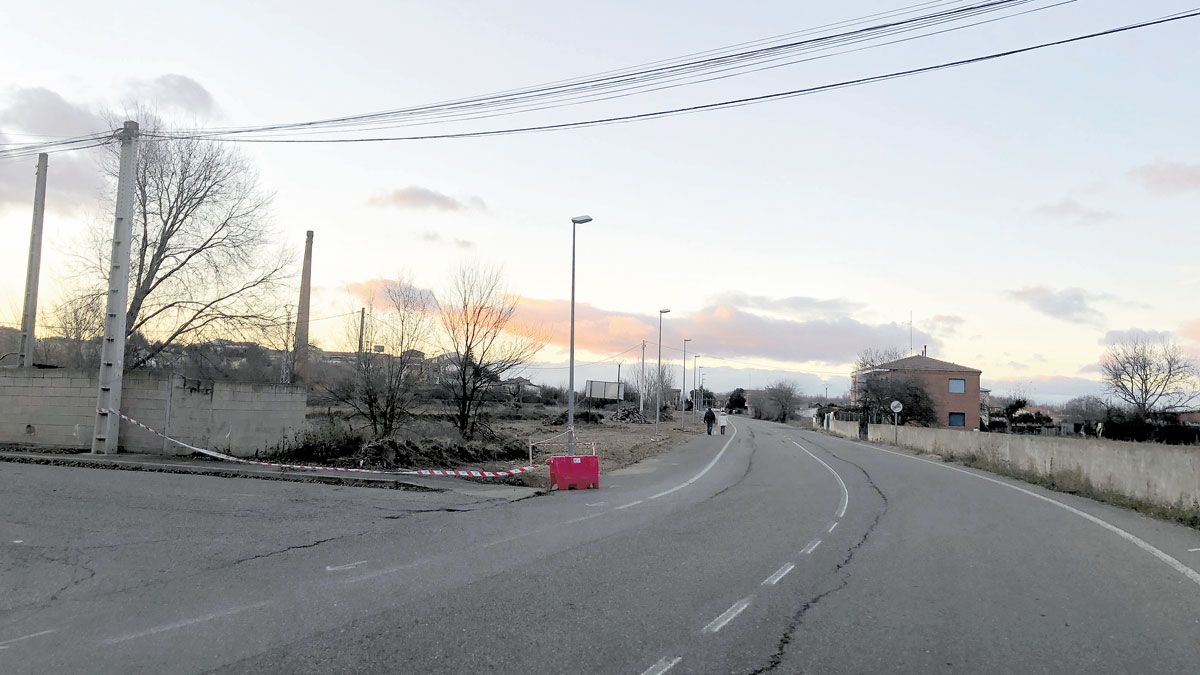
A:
473,473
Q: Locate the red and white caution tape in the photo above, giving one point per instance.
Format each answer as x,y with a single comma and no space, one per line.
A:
473,473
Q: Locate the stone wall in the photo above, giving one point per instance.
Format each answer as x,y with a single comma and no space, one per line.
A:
56,408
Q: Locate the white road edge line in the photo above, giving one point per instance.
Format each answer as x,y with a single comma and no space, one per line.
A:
845,492
726,616
703,471
812,546
1192,550
831,526
6,643
347,566
633,503
1146,546
186,622
779,574
662,665
580,519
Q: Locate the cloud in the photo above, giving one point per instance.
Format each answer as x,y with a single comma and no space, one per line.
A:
1168,178
1068,209
1191,330
1090,369
434,237
1068,304
1115,336
372,291
417,198
174,91
790,305
1017,366
1046,388
946,324
718,329
72,179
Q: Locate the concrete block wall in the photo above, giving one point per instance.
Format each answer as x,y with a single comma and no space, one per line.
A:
1155,472
843,429
56,408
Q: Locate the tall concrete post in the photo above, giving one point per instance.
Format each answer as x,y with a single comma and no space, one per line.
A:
33,269
112,350
301,367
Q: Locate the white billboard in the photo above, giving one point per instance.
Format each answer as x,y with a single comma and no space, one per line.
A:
607,391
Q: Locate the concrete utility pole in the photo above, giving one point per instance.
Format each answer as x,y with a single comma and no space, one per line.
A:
683,385
300,369
33,270
695,374
575,223
362,327
112,350
658,375
642,383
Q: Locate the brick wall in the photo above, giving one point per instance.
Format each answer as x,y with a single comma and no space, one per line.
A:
937,383
56,408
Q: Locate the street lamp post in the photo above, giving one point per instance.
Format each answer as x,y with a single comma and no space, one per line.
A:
658,375
683,385
698,381
576,221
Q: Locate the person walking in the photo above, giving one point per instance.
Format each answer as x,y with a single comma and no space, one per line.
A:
709,418
722,421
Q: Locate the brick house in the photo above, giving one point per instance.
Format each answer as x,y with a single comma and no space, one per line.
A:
953,388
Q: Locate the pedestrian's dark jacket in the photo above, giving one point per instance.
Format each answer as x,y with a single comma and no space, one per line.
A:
710,416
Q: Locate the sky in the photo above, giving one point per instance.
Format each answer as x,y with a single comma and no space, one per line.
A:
1023,211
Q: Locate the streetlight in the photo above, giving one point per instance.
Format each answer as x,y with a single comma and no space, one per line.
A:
683,385
577,220
658,375
697,380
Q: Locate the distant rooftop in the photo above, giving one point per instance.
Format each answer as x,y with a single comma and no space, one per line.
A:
919,362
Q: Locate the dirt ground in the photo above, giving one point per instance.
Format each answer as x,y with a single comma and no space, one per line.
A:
618,444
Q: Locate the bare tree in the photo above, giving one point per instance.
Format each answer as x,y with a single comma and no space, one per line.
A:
1085,409
783,396
482,341
1150,375
78,320
202,262
383,385
872,357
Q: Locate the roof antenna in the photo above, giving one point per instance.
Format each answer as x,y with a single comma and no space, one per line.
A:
924,349
910,349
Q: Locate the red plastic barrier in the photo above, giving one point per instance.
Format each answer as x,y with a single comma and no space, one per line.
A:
574,472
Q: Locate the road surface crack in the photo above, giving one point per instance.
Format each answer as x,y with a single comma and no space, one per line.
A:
749,467
286,549
785,640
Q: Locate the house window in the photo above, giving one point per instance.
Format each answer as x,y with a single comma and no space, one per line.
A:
958,419
958,386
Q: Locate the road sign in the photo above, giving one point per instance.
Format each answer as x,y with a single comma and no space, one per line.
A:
897,406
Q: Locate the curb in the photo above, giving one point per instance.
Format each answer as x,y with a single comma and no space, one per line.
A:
184,469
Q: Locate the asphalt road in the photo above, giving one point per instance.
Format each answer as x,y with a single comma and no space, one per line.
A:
771,550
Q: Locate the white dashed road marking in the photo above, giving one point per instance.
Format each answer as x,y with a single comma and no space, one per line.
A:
727,616
779,574
183,624
6,643
347,566
663,665
812,546
831,526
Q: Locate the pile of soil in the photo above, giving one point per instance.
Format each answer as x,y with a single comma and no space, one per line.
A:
631,415
581,417
435,453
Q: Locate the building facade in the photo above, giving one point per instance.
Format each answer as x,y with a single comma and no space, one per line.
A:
953,388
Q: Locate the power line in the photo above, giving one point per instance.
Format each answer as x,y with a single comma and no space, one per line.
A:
625,81
731,103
